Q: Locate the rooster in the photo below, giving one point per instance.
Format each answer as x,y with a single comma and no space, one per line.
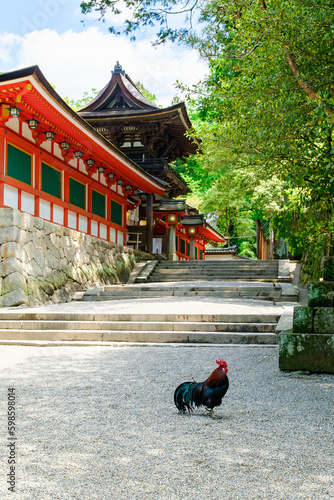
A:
208,393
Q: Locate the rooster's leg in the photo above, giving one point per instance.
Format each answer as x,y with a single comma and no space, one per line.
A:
211,412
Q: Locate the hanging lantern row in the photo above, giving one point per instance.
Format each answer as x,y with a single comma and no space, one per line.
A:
65,146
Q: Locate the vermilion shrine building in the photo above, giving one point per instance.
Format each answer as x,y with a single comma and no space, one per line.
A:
91,171
152,137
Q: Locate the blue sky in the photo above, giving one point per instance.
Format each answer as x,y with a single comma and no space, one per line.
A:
77,56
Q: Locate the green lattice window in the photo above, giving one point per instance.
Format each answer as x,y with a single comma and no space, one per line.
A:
98,204
18,164
51,180
77,193
116,213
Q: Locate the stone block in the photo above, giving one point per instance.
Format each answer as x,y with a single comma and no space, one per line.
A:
10,265
55,240
328,268
69,253
29,249
53,262
10,217
48,227
14,298
39,258
32,287
321,294
11,233
48,288
324,320
303,320
58,279
307,352
38,223
33,301
13,249
13,282
34,269
284,268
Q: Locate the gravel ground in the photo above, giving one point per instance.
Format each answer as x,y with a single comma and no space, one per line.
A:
100,423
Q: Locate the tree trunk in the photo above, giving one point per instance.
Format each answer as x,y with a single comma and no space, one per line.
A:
304,85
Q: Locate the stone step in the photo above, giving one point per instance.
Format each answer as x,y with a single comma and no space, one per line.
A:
149,317
211,278
12,325
204,272
187,287
180,293
273,267
140,336
216,265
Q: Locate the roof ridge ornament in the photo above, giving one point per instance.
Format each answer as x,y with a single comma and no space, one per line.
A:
118,69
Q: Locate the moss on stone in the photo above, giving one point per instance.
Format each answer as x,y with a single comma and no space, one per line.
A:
324,320
308,352
303,319
321,294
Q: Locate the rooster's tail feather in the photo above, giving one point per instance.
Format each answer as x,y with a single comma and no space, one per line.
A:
185,396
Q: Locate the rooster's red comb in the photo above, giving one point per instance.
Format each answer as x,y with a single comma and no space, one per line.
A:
221,362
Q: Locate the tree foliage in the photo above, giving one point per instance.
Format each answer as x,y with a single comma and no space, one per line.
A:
77,104
149,96
265,112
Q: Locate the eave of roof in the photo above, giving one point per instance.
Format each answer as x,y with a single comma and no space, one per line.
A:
76,123
211,234
178,109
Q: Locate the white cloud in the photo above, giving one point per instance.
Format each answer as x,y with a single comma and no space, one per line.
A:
76,62
9,43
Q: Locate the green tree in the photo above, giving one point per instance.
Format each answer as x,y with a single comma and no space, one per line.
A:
150,97
77,104
266,110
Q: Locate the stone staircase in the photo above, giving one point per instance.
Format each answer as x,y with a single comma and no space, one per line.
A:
161,312
239,278
43,328
211,270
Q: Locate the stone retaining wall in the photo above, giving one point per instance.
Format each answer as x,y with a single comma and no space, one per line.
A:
42,262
